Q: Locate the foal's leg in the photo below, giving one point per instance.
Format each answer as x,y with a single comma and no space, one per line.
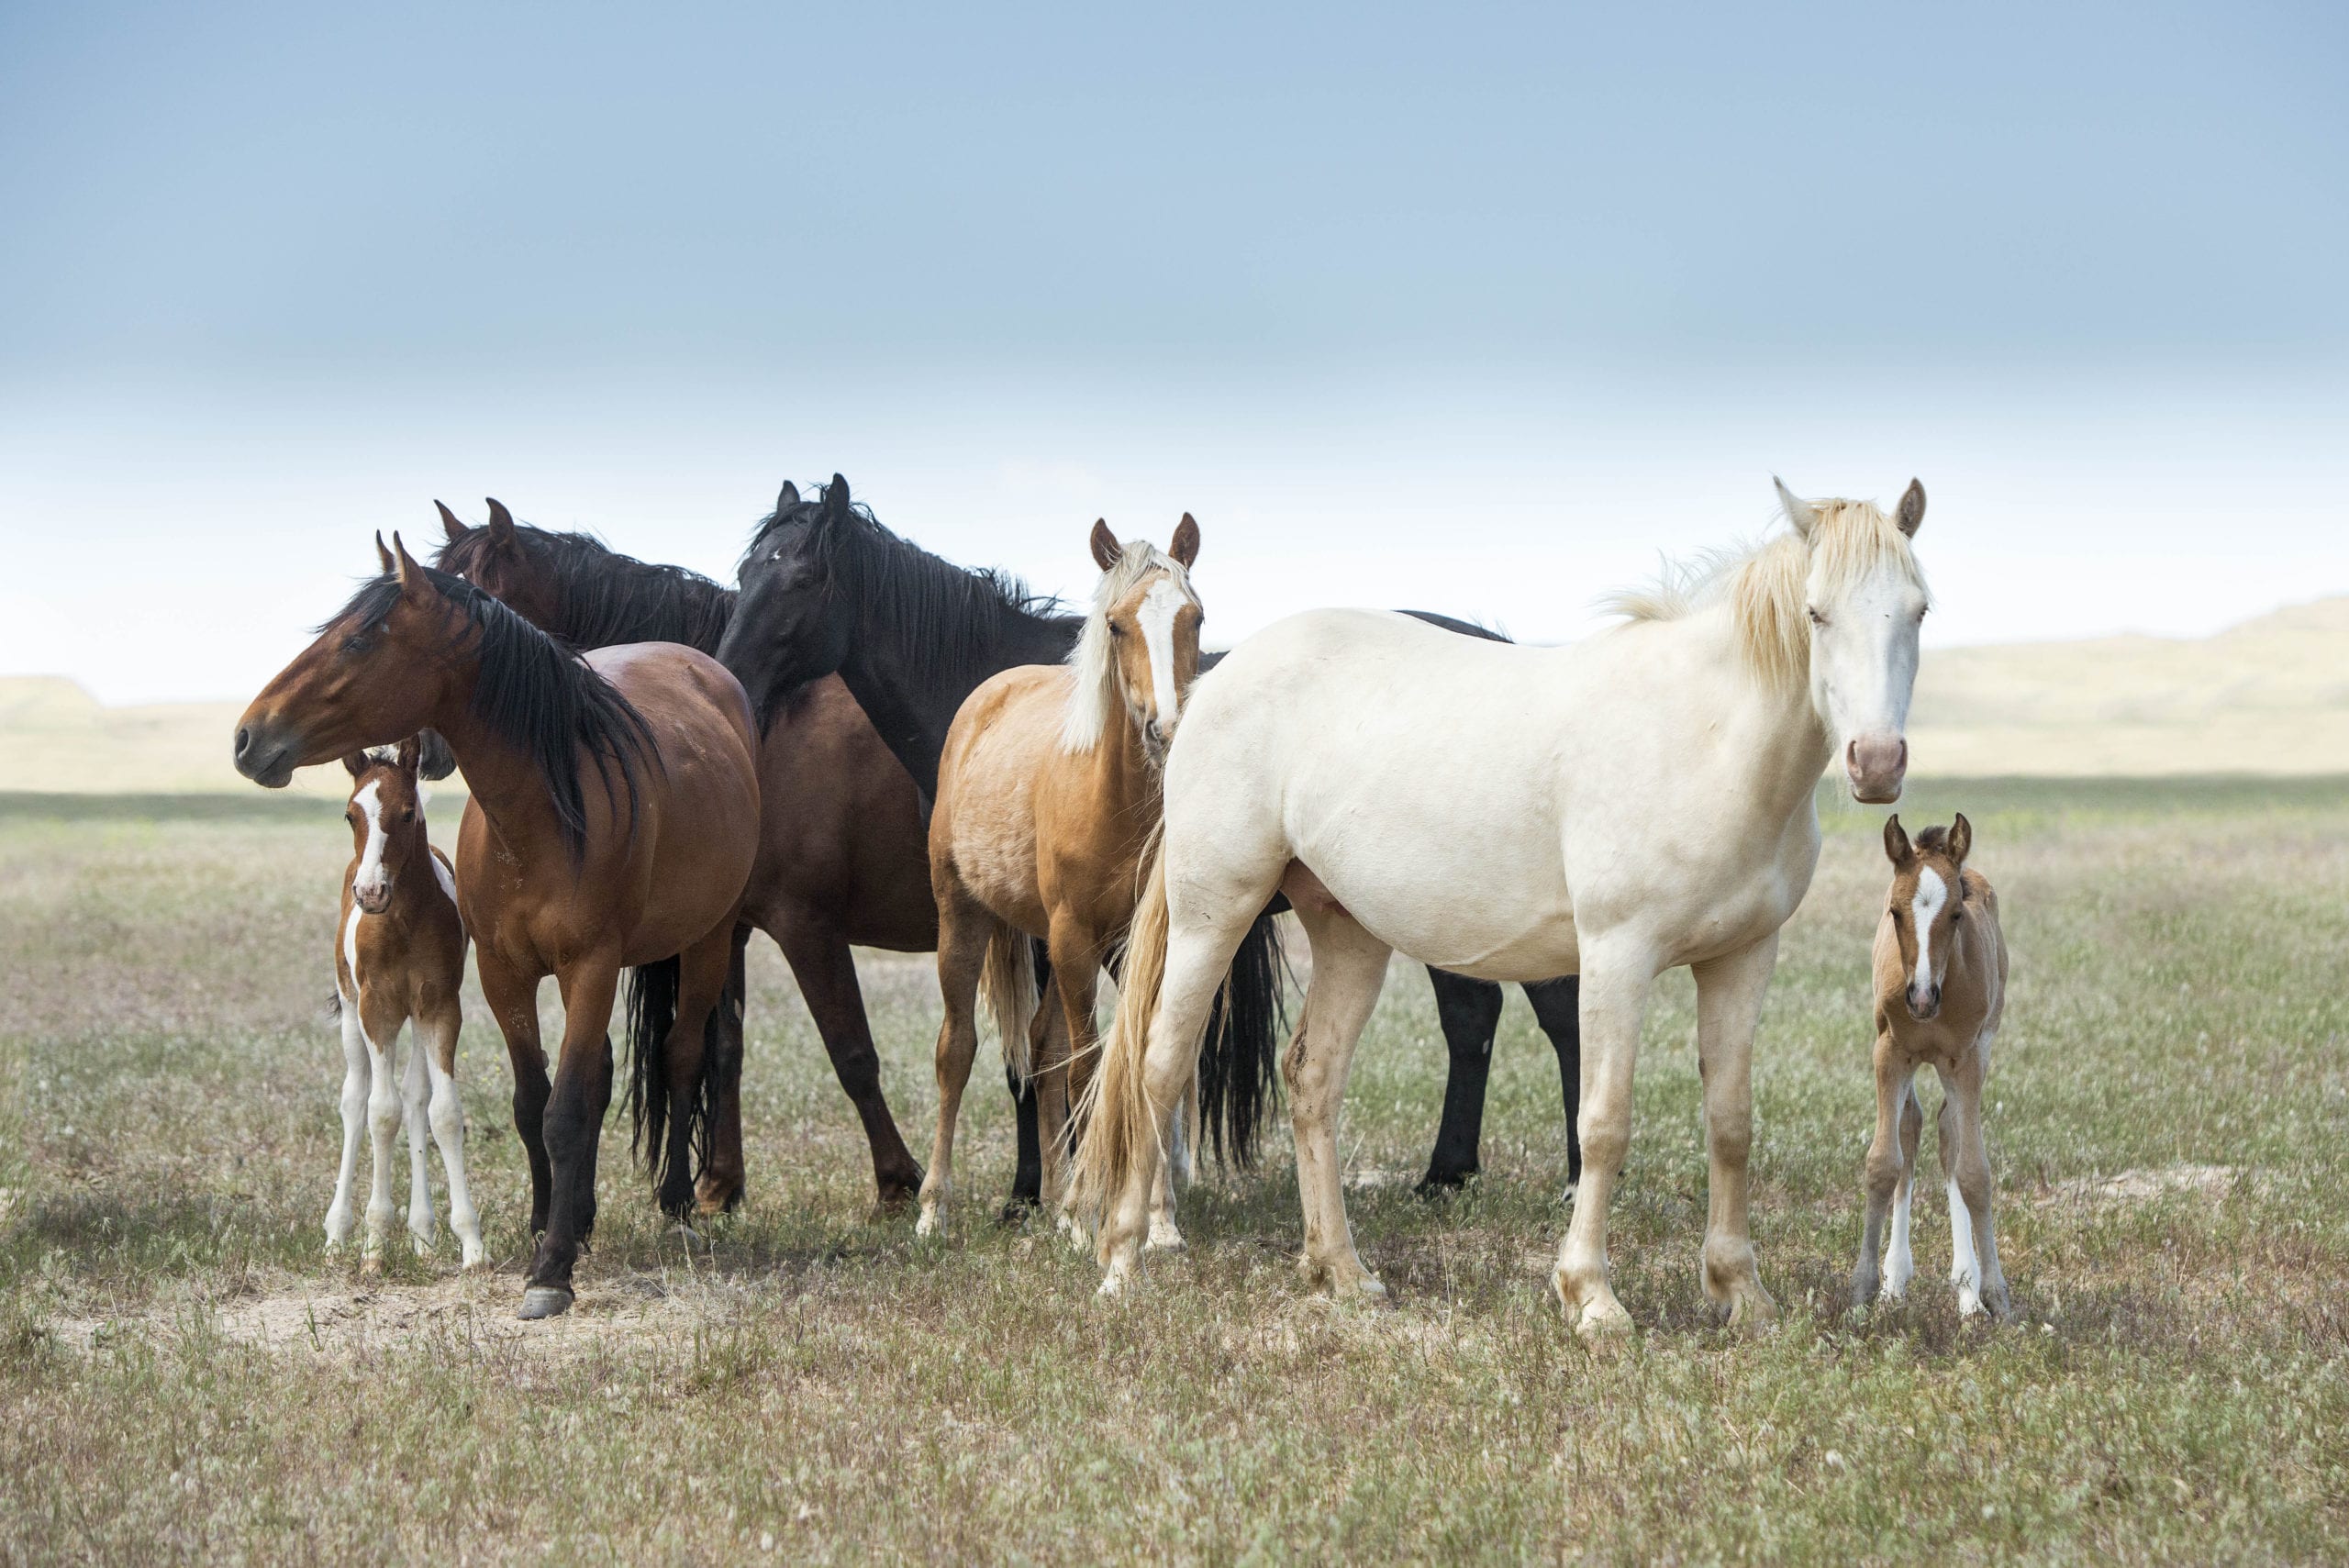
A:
701,991
1349,967
1615,988
381,1021
1729,1002
513,998
1469,1011
414,1094
1902,1267
1557,1007
574,1124
1885,1174
355,1071
1965,1159
963,931
436,1044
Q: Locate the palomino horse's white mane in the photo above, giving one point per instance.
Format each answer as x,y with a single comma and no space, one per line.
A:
1767,583
1094,699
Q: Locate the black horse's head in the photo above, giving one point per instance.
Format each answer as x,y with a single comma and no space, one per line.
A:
796,611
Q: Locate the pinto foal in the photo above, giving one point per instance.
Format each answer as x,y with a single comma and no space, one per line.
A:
1941,988
399,954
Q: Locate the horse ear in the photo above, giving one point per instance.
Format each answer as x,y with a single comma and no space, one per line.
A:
434,760
407,756
1895,841
384,554
1106,551
501,523
412,582
1961,840
836,499
451,526
355,763
787,498
1186,548
1798,512
1911,515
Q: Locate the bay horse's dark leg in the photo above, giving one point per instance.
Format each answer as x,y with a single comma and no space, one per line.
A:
692,1074
721,1185
820,960
1028,1180
514,1002
1557,1006
1470,1011
575,1125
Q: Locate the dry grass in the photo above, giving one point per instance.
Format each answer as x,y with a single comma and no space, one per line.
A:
185,1374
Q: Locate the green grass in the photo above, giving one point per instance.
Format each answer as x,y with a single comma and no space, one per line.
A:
184,1374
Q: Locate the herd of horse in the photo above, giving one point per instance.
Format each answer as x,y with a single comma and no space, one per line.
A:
864,744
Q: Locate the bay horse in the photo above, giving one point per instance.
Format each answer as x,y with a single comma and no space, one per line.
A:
827,590
612,820
1047,806
1940,992
399,957
1636,802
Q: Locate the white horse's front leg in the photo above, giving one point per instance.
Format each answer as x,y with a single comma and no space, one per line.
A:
354,1120
415,1095
1614,1002
1729,1003
1349,967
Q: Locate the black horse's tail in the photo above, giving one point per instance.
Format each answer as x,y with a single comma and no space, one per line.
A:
1238,1078
651,1013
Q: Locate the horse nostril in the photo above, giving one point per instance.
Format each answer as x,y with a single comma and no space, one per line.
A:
244,740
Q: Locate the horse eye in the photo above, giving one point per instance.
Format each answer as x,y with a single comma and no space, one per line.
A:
1818,619
1117,630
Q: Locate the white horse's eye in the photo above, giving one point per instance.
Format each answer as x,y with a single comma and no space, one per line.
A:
1818,619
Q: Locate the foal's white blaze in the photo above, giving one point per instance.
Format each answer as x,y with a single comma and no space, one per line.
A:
1964,1269
369,879
1924,909
1159,607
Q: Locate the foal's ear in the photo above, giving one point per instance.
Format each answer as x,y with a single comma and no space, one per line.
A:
501,523
1106,551
787,498
1911,515
434,760
407,757
451,526
1895,841
1961,840
1798,512
355,763
1186,548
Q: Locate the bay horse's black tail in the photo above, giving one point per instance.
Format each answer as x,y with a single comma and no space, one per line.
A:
1238,1078
651,1013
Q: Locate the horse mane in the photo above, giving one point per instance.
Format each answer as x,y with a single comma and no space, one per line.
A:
1095,696
1934,840
534,694
608,598
1766,584
936,620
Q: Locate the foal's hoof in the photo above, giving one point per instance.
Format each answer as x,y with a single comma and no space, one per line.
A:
544,1301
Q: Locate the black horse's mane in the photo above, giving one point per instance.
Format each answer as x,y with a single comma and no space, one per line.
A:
532,692
608,597
932,618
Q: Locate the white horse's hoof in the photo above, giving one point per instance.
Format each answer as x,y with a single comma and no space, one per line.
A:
1166,1238
544,1301
930,1223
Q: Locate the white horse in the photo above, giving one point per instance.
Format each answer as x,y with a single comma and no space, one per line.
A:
1615,808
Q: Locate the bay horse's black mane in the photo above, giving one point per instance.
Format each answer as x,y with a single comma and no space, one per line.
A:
608,597
532,692
925,616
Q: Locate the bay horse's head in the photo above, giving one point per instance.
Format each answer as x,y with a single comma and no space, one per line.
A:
1139,649
386,816
1927,904
1865,600
389,662
500,558
797,612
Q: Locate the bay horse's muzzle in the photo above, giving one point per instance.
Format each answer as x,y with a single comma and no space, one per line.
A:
266,754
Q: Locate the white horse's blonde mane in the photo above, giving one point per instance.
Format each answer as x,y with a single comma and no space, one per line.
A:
1096,694
1766,584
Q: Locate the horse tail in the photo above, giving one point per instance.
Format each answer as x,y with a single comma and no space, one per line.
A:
1239,1066
1119,1132
1007,986
651,1014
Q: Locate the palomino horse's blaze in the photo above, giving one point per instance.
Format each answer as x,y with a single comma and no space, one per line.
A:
399,956
613,815
1940,991
1047,803
1633,803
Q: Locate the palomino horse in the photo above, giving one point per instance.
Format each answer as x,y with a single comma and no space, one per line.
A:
1615,808
399,954
827,590
1047,803
613,817
1941,989
840,852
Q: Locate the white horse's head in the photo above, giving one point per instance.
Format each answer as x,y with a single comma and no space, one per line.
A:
1140,648
1865,600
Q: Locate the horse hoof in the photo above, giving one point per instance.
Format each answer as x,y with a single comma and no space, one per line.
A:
544,1301
929,1224
1166,1240
1016,1211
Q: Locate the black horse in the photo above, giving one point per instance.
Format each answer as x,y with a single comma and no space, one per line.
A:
825,589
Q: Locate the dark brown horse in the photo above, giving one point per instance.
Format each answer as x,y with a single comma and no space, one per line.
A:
612,822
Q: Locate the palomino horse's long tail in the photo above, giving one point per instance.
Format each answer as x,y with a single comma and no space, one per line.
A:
1239,1064
1119,1132
1007,986
651,1013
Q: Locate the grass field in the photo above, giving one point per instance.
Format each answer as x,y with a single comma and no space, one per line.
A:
185,1374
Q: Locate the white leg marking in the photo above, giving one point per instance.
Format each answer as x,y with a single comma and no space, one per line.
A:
1902,1267
383,1121
1157,618
1931,894
354,1118
1965,1271
448,1117
414,1097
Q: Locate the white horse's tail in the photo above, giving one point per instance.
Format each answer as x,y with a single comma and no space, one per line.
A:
1120,1133
1007,987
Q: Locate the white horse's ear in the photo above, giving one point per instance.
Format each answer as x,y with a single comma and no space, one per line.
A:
1798,512
1106,551
1911,515
1186,546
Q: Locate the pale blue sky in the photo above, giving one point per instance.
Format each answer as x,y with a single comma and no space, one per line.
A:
1470,308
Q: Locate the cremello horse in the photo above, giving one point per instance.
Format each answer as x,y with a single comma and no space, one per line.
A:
1635,802
1047,803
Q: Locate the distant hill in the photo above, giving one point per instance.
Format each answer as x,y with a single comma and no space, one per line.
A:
2268,696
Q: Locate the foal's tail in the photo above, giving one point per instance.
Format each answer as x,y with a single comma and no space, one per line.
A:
651,1014
1007,986
1238,1065
1119,1132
